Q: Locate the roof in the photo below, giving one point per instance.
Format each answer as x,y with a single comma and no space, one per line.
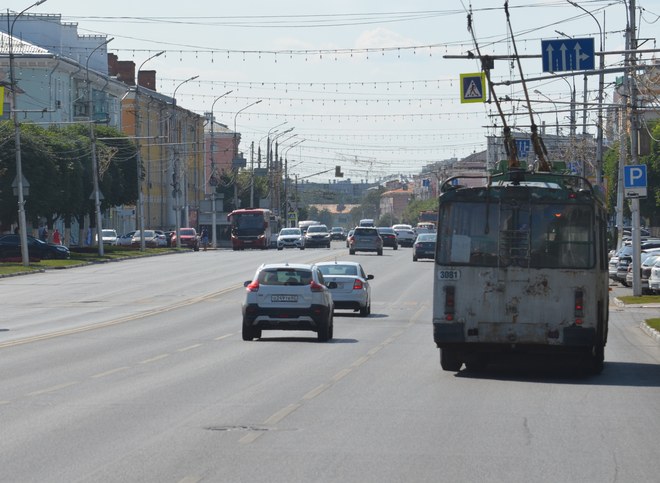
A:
19,47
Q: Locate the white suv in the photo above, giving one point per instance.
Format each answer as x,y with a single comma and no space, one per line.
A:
284,296
405,234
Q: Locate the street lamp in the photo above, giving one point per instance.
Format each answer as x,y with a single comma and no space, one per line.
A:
601,82
236,153
140,204
22,225
273,188
286,180
175,166
213,181
536,91
92,138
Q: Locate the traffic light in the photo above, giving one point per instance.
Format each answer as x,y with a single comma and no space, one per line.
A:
338,173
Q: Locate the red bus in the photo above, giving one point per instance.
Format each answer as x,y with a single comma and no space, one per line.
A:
250,228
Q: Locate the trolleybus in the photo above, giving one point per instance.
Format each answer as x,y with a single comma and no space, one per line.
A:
520,266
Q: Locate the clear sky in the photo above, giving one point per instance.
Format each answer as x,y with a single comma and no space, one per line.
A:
363,83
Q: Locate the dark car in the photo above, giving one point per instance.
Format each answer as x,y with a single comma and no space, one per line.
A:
337,233
424,246
389,237
365,239
10,247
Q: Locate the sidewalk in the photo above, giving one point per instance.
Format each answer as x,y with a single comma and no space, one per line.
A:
640,312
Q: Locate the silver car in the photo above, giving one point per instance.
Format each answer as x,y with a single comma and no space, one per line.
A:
288,296
365,239
352,289
290,238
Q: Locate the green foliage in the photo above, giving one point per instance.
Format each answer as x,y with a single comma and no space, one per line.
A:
57,162
411,214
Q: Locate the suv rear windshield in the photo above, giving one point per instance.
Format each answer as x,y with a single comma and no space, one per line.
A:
365,232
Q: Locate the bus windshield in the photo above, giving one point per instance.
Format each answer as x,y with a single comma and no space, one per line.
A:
493,234
248,223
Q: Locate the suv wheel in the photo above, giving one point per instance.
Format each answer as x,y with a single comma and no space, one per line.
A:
250,333
380,252
325,330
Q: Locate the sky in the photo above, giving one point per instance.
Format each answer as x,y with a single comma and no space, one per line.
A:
364,84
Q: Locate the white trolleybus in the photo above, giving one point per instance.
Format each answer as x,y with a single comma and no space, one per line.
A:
520,266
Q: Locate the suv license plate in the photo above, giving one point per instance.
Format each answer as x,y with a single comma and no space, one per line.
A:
283,298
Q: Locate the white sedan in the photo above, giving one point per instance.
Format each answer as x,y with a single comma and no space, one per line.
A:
352,289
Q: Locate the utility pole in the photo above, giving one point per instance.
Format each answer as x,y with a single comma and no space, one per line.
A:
636,240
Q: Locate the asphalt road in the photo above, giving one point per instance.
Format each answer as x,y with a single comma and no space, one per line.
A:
136,371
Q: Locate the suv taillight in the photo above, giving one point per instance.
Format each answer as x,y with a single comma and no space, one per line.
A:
316,287
253,287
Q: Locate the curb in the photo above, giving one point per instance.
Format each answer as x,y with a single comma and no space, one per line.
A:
652,333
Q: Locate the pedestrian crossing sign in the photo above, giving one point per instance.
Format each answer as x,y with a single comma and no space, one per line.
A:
473,87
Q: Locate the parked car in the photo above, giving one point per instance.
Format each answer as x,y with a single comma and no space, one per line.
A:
405,234
10,247
352,289
290,238
337,233
161,237
654,278
389,237
283,296
150,239
189,238
317,236
365,239
125,239
109,236
614,260
424,246
648,259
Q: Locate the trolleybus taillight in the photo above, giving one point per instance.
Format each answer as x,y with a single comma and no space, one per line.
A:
579,307
450,302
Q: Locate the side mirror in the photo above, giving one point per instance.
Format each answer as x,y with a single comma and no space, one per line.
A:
332,285
370,277
246,283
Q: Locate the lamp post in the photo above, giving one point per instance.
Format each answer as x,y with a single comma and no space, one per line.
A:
95,168
275,168
235,169
286,180
175,166
22,225
601,82
140,204
213,181
536,91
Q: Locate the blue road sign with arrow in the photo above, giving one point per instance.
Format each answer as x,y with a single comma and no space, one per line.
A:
568,54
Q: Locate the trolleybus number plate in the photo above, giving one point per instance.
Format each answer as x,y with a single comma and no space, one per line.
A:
449,274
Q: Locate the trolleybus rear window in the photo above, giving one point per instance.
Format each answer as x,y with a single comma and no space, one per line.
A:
544,235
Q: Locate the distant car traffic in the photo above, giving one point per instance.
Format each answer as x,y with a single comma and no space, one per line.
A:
348,236
424,246
389,237
337,233
283,296
365,239
189,238
10,247
352,289
290,238
405,235
317,236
